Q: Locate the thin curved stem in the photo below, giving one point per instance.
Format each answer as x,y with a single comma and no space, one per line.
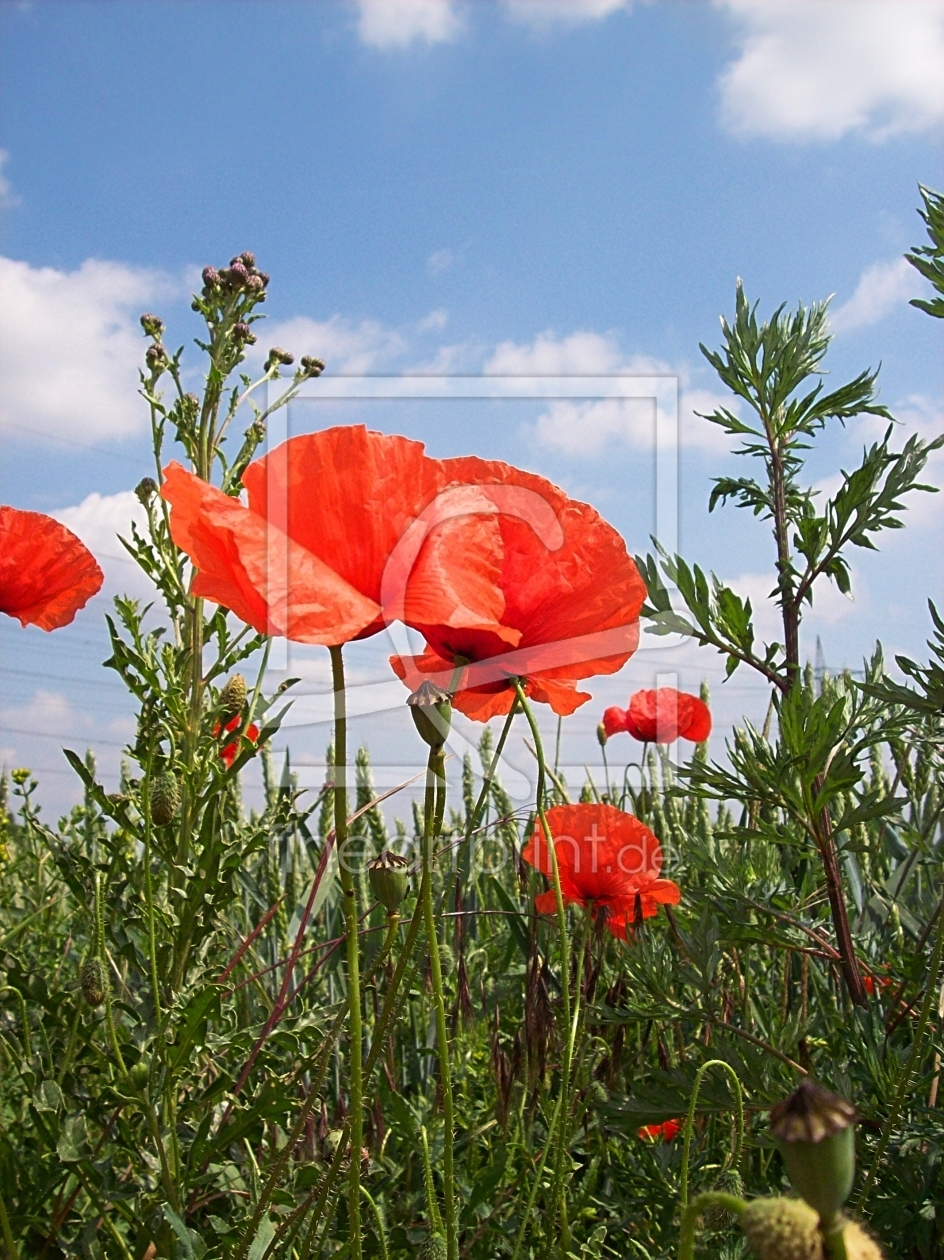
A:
690,1121
713,1198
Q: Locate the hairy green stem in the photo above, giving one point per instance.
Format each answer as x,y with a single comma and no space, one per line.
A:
713,1198
690,1121
7,1232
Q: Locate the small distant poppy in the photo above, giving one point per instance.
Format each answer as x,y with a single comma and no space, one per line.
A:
661,717
667,1131
46,573
605,858
229,751
571,601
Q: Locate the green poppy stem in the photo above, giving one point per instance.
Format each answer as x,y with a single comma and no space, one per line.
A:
690,1121
713,1198
349,894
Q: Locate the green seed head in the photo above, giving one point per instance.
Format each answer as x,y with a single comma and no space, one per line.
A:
94,981
431,709
815,1134
388,878
782,1229
165,798
433,1248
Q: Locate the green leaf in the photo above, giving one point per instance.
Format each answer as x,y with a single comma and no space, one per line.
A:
48,1096
73,1139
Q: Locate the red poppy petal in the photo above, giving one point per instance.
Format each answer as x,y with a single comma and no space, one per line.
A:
614,721
698,726
46,573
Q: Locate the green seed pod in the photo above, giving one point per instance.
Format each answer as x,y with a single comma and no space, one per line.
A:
782,1229
388,878
433,1247
165,798
139,1074
431,710
94,981
815,1134
233,697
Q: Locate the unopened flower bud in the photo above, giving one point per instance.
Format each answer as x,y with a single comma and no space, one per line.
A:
153,325
814,1132
238,275
311,366
264,277
278,355
155,357
233,696
242,332
254,284
146,489
211,277
431,710
20,775
164,798
782,1229
139,1073
388,878
94,981
601,735
247,258
433,1247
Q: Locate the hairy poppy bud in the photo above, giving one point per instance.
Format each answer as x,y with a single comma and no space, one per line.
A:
165,798
238,275
814,1132
233,696
242,332
782,1229
153,325
431,710
597,1092
94,981
601,735
211,277
433,1247
146,489
139,1074
312,367
388,878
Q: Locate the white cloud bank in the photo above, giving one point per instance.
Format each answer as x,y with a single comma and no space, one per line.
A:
398,23
70,347
819,69
99,520
544,14
882,288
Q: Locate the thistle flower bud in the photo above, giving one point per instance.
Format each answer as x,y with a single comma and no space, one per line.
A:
814,1132
431,710
156,357
254,284
312,367
238,275
388,878
601,735
247,258
164,798
242,332
146,489
433,1247
264,277
211,278
278,355
782,1229
153,325
94,981
233,696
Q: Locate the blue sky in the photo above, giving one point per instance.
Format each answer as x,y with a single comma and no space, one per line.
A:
523,185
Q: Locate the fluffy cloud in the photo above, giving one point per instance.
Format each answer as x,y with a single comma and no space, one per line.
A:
587,429
546,13
99,520
399,23
882,288
71,348
439,261
809,70
344,346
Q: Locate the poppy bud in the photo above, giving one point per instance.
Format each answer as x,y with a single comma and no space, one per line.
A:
601,735
598,1093
433,1247
431,709
388,879
312,367
233,696
139,1074
211,277
146,489
94,981
814,1132
782,1229
165,798
153,325
242,332
238,275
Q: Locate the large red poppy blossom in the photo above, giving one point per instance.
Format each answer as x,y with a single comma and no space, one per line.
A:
661,717
605,858
344,530
46,573
572,597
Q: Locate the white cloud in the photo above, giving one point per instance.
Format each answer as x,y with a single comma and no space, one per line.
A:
882,288
819,69
439,261
344,346
588,429
8,197
99,520
398,23
546,13
435,321
70,347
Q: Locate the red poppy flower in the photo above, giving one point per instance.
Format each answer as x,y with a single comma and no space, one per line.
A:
661,717
341,534
46,573
230,751
604,857
667,1131
874,983
571,596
